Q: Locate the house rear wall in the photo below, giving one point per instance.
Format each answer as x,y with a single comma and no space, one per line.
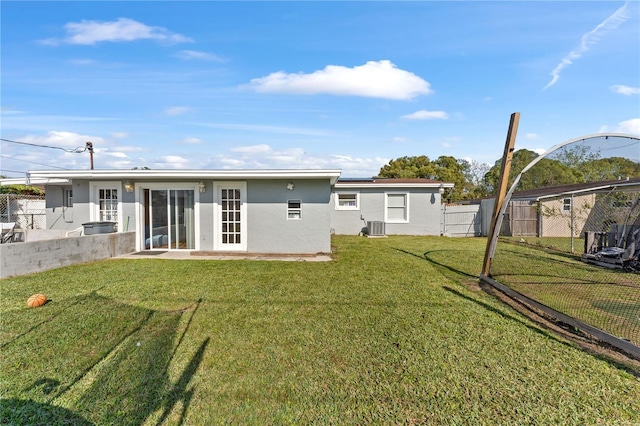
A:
268,228
425,212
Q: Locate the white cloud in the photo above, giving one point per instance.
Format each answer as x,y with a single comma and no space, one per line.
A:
176,110
190,141
381,79
198,55
172,162
120,164
232,163
116,154
121,30
71,152
625,90
426,115
399,139
253,149
66,140
531,136
631,127
82,62
588,39
5,110
129,148
265,156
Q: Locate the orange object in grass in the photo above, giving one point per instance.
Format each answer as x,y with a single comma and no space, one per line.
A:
36,300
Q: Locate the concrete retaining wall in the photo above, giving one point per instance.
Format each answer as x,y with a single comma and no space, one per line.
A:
36,256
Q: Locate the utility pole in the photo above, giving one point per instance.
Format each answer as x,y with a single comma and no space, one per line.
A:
90,149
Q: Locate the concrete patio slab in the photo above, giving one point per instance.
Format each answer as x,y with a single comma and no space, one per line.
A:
206,255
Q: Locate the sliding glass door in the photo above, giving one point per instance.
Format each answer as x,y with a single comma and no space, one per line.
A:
169,219
182,230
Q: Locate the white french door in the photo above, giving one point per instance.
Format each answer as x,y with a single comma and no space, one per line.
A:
230,216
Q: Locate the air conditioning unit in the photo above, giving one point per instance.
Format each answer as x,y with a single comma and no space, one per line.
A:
375,228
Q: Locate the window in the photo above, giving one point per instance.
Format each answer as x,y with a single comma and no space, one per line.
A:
566,204
108,205
348,201
68,198
397,208
231,204
294,209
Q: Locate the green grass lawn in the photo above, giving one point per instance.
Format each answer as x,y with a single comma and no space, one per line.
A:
390,332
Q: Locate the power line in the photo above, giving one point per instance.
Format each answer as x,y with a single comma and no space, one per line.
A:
12,171
76,150
33,162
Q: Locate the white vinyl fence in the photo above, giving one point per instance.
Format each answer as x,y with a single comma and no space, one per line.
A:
462,221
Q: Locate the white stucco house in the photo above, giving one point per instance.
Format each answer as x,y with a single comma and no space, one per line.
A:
253,211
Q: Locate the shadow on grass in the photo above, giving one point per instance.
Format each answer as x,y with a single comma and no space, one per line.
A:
628,310
179,392
20,412
31,327
111,359
504,315
425,256
447,270
611,358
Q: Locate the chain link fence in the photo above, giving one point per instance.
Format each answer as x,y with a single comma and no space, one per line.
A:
26,211
575,248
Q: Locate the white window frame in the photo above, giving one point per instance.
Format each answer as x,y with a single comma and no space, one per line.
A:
406,207
566,206
68,197
340,207
94,200
294,213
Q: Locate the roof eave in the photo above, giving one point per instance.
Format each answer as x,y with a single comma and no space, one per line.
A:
331,174
393,185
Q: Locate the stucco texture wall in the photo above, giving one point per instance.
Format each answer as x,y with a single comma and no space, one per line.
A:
425,212
269,228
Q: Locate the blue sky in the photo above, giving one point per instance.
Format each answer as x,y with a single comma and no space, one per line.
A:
348,85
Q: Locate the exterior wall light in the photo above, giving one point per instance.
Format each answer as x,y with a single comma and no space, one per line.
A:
441,189
290,186
128,186
202,186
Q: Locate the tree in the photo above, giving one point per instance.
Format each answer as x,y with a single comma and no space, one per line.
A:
546,172
595,168
21,189
609,169
474,173
519,161
445,168
549,172
408,168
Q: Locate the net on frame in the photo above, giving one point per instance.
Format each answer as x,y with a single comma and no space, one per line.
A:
569,236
